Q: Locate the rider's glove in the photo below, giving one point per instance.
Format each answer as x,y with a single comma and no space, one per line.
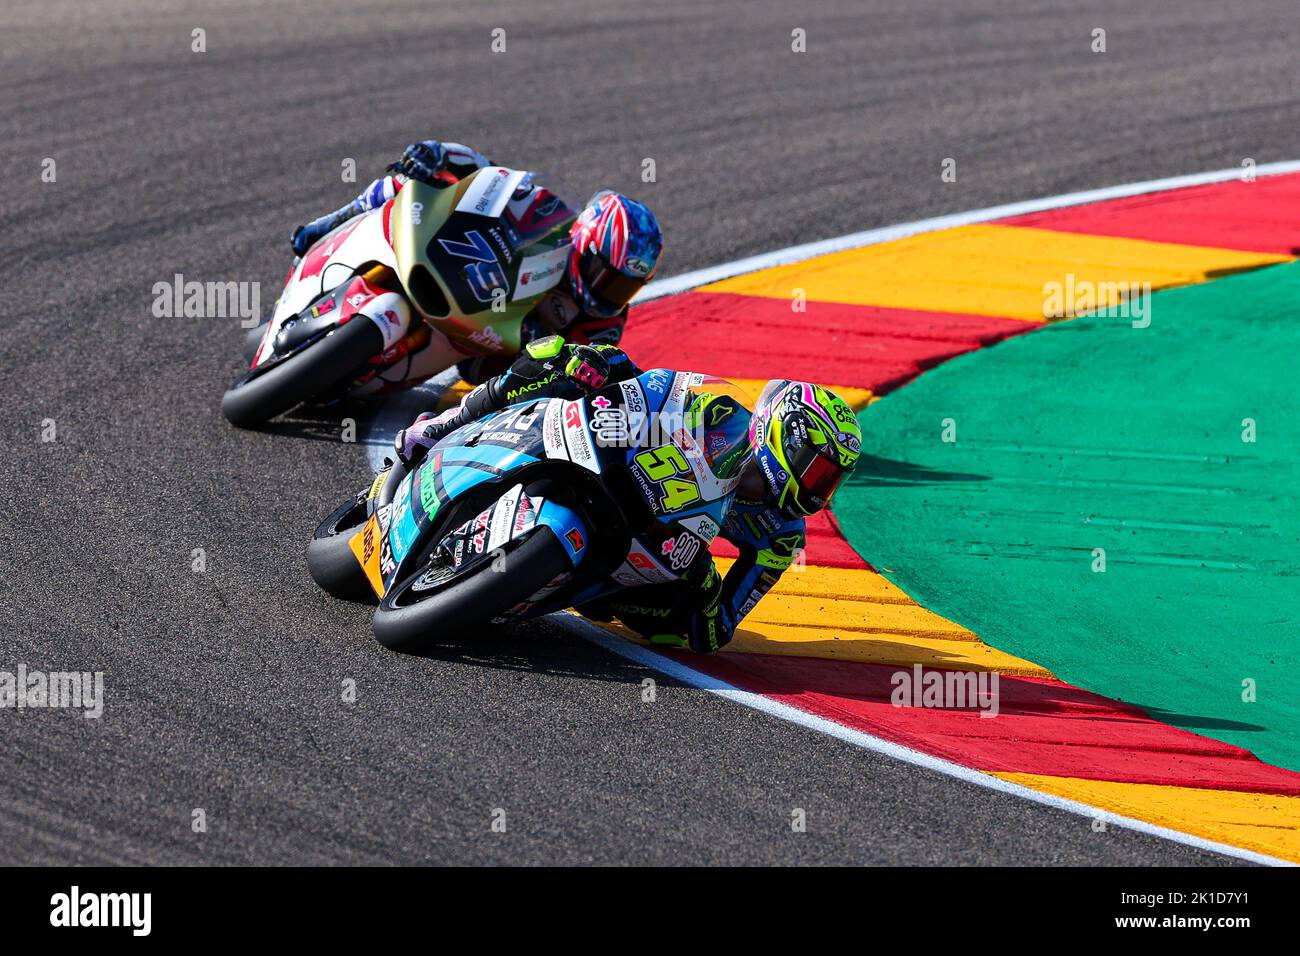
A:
707,631
304,237
687,614
422,161
587,366
413,442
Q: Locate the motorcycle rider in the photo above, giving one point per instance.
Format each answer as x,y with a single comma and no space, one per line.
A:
616,245
804,440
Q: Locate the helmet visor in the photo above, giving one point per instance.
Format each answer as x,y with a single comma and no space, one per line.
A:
816,475
611,287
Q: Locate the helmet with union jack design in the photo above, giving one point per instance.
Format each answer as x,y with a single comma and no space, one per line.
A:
805,439
616,248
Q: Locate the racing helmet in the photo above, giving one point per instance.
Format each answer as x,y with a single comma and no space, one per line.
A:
806,439
616,245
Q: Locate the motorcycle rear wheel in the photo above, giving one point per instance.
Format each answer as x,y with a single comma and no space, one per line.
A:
464,606
330,560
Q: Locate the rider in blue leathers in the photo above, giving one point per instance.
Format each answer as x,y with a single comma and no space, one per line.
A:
777,489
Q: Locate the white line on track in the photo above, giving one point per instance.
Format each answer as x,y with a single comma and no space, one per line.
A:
856,240
379,434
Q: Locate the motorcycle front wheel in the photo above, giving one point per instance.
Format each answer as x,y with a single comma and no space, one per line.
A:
437,605
320,366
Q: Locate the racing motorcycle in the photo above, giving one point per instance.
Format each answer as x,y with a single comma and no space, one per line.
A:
463,262
542,506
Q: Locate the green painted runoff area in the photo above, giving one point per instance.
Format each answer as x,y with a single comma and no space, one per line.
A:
1092,440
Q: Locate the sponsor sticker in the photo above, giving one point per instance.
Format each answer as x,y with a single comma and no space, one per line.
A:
388,312
429,501
503,516
626,575
754,597
647,565
540,272
677,394
681,550
365,547
658,380
638,266
611,428
553,431
491,189
576,437
700,525
487,337
526,514
633,397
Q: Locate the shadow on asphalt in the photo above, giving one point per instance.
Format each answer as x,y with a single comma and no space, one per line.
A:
543,647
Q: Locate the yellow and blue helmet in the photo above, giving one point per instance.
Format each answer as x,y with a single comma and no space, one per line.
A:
805,439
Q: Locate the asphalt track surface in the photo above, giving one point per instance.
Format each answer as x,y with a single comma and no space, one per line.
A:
223,687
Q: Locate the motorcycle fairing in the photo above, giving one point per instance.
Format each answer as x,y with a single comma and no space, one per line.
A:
324,291
333,259
471,262
505,445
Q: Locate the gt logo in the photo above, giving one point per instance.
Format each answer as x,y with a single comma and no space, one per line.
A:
572,417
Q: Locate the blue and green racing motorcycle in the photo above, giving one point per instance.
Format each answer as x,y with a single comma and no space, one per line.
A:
542,506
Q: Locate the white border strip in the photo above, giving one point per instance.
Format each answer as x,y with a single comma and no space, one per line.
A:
690,280
687,675
780,257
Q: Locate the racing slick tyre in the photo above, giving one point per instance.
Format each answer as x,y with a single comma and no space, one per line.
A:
300,377
331,562
436,604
